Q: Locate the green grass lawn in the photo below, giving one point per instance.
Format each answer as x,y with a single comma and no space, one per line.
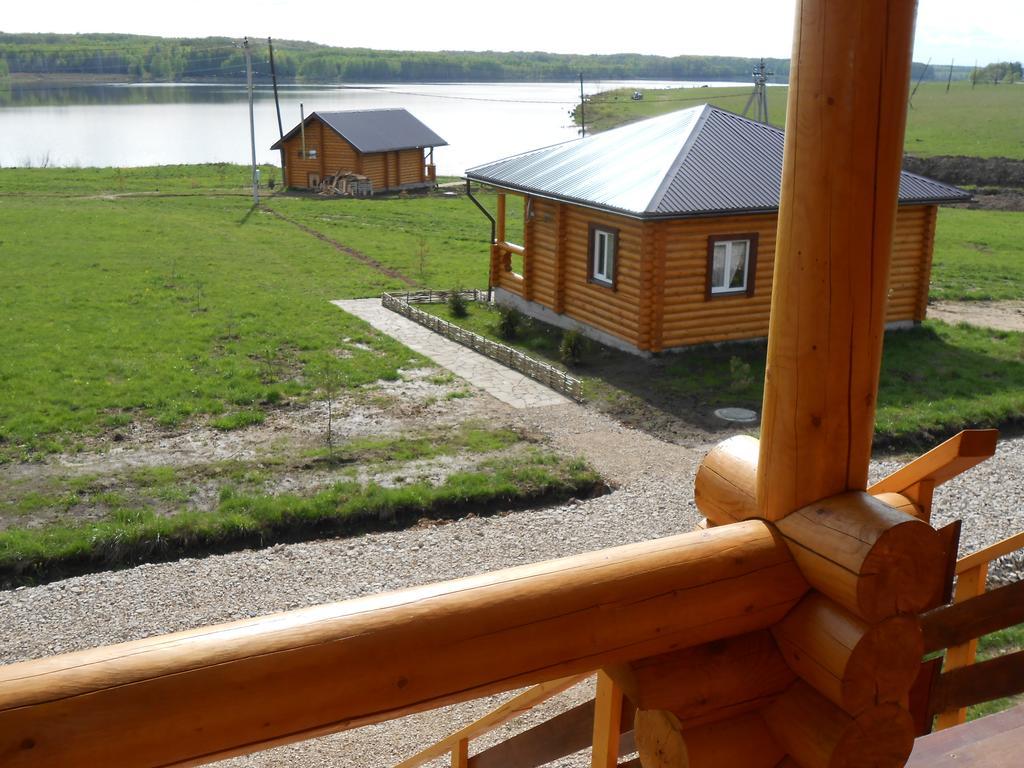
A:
119,308
160,308
979,255
982,122
936,379
440,242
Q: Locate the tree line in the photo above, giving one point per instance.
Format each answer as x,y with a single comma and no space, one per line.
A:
158,59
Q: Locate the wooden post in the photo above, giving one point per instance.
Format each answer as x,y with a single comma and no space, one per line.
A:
560,248
970,583
460,754
500,223
607,717
840,180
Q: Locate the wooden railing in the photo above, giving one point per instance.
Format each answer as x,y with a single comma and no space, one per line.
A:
197,696
502,273
604,723
955,682
458,743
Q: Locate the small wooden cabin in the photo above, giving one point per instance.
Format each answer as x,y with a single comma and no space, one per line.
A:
661,234
390,147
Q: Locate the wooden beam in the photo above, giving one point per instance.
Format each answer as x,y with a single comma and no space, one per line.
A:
511,709
607,716
854,664
874,561
985,681
818,734
840,182
989,612
710,682
942,463
988,554
744,740
197,696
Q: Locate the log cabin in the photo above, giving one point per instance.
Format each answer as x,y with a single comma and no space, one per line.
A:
661,234
390,147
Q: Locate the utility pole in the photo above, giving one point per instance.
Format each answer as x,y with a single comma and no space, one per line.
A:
910,101
583,110
273,75
277,106
950,78
760,75
252,124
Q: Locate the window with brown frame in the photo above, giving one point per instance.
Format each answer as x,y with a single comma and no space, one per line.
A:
602,253
732,265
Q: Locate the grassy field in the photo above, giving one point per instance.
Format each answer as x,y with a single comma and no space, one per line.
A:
121,306
160,300
983,121
936,379
138,306
247,516
979,255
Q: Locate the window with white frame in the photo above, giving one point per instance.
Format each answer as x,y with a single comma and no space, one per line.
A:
731,264
603,247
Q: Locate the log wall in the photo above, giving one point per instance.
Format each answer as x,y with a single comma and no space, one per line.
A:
659,299
386,170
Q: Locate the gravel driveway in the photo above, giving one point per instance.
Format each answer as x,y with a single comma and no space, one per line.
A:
654,499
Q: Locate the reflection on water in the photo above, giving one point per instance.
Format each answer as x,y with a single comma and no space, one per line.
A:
158,124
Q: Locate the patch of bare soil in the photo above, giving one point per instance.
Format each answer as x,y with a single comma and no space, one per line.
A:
996,199
1002,315
972,171
167,470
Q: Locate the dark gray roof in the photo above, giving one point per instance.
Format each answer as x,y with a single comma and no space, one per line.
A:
375,130
697,161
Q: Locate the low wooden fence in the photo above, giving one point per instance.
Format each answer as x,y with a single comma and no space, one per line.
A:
548,375
949,684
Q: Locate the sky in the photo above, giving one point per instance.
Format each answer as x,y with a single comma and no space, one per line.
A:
982,31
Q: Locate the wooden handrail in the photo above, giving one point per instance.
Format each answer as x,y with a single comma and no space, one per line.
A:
198,696
511,709
511,248
972,575
990,553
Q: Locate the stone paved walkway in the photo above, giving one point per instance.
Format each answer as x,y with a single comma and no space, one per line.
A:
509,386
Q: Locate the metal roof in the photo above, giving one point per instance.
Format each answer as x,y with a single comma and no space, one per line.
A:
375,130
697,161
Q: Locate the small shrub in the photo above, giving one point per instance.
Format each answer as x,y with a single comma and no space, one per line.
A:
572,348
509,322
457,304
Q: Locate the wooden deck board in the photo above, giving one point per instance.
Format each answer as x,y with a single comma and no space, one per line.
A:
996,741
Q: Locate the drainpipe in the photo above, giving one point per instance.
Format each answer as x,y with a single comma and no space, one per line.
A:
494,233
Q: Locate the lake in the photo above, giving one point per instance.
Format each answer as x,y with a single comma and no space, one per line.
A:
160,124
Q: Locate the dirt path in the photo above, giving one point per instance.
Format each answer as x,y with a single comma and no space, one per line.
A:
359,256
1003,315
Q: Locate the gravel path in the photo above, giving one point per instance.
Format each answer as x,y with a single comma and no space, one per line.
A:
654,499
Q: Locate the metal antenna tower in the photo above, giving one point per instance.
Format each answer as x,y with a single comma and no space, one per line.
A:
760,94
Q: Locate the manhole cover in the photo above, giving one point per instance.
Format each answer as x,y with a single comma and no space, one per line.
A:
738,415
